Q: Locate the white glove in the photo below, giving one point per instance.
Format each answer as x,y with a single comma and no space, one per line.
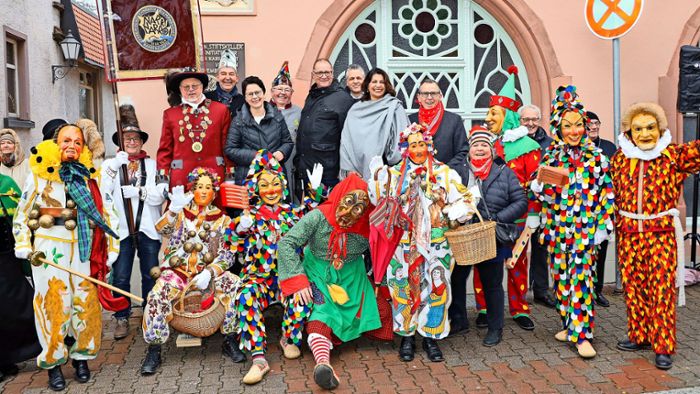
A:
129,191
245,222
121,158
375,163
178,199
111,258
22,253
202,279
162,189
533,221
315,175
536,186
600,236
457,210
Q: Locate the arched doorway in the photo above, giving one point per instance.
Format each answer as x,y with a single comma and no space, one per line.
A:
457,43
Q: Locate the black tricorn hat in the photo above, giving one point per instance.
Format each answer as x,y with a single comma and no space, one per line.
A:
174,80
129,122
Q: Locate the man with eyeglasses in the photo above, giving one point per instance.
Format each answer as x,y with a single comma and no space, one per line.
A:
446,128
194,132
354,76
226,91
282,99
322,119
609,149
530,116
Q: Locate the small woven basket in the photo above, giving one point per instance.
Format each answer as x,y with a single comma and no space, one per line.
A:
473,243
189,320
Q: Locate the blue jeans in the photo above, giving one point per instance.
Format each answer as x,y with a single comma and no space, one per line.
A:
121,269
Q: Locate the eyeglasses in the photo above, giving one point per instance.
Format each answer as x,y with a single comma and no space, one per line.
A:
528,120
594,123
323,73
132,139
191,87
283,90
430,94
258,93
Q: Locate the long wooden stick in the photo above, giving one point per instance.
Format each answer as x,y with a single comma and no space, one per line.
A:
91,279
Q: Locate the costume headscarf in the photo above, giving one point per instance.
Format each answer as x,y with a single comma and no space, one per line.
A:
11,135
506,98
337,243
263,161
283,76
566,99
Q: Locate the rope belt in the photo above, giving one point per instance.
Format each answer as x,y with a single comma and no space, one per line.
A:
680,245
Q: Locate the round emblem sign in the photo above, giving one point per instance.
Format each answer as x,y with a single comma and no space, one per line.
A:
154,28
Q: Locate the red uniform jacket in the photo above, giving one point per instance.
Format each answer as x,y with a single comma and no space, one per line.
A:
177,158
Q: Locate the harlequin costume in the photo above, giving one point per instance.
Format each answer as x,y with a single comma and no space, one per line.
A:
61,203
333,269
575,219
418,276
196,246
192,135
648,184
522,154
255,235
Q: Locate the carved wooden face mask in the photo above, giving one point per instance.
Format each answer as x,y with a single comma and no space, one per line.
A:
204,192
645,131
70,142
494,119
572,128
351,208
417,148
270,188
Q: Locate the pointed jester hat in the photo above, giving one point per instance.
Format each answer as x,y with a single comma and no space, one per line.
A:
566,99
507,100
263,161
283,76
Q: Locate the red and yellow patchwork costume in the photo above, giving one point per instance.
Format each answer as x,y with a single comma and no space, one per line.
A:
647,187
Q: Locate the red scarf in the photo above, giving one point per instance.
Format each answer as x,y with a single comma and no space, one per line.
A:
337,243
482,167
138,156
266,212
431,118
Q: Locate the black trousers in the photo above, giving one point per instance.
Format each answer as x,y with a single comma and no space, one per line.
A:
539,267
600,266
491,274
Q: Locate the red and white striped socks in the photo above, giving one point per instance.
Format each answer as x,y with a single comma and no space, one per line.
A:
321,348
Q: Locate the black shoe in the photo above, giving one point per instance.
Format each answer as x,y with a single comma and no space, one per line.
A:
432,350
600,299
231,350
481,321
546,300
152,361
493,337
663,361
56,380
407,349
629,346
325,377
459,326
8,370
82,372
525,322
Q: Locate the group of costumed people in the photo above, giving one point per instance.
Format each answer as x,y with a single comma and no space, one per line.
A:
311,257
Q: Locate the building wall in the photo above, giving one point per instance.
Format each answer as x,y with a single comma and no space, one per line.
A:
559,29
47,100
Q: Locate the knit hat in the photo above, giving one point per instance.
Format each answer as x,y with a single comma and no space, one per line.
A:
479,133
566,100
507,100
283,76
50,127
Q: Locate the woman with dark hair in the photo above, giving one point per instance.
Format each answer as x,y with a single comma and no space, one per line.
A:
372,126
259,126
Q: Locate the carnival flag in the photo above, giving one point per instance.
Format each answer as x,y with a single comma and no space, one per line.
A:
145,38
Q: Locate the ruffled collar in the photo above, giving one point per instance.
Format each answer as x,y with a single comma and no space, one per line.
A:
631,150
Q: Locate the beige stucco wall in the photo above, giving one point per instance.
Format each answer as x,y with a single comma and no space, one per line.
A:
557,29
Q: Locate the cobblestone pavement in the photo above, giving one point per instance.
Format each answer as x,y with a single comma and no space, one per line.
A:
524,362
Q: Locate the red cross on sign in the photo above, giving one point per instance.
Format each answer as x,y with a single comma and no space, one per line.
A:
610,19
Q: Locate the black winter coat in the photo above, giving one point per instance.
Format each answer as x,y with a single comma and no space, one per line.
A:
542,138
320,126
450,140
234,106
608,147
246,137
501,190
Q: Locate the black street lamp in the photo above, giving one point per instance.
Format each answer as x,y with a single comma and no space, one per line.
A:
71,50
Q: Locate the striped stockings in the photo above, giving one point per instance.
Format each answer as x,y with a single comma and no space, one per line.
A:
321,348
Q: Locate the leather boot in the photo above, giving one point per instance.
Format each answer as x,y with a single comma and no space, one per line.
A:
407,349
663,361
82,372
432,350
231,349
56,380
152,361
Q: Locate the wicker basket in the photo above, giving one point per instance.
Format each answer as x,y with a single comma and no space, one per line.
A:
198,324
473,243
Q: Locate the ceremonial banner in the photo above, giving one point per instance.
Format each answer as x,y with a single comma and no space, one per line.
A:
145,38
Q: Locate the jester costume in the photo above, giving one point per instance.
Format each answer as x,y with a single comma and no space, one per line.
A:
258,242
60,205
648,184
573,218
196,243
522,155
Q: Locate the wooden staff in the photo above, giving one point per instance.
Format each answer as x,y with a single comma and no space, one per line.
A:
37,261
519,247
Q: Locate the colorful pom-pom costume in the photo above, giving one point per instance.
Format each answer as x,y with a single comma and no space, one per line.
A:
574,217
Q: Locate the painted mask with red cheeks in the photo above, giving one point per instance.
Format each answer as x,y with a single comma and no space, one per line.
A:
417,148
203,191
573,127
270,188
70,142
